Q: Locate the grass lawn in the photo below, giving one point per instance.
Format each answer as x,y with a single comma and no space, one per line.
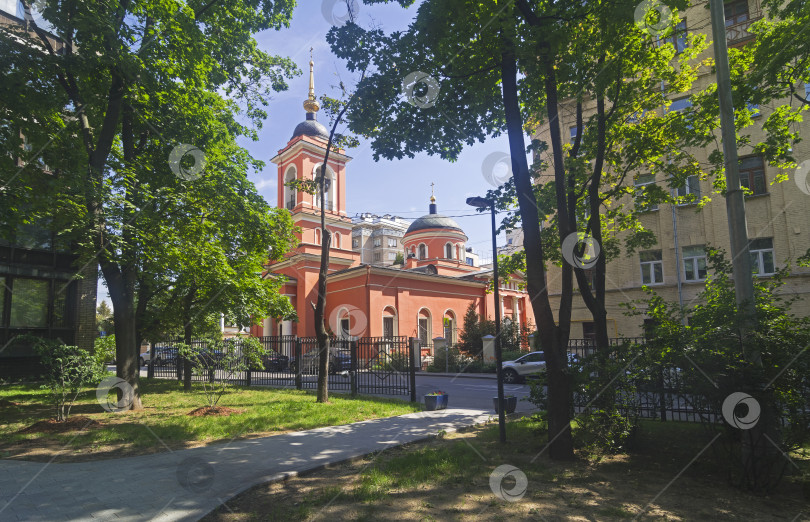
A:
449,479
164,421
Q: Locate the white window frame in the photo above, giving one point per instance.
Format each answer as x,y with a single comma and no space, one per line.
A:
653,207
695,260
690,187
758,257
648,267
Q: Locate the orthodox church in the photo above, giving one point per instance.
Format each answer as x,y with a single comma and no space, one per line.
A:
425,298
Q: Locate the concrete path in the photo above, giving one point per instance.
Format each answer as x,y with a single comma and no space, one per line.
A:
187,484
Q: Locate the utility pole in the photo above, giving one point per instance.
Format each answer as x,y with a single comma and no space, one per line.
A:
735,200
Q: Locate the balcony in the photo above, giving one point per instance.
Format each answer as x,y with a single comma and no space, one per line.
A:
738,33
291,204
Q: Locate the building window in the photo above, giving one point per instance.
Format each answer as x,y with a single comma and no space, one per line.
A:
317,236
469,261
643,182
290,195
424,331
677,38
572,132
652,267
29,303
589,332
679,105
694,263
377,257
355,243
377,242
392,243
337,239
761,256
422,251
689,192
736,12
345,327
392,256
448,251
752,175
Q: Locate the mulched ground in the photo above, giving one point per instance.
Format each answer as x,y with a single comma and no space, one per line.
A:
218,411
79,422
5,403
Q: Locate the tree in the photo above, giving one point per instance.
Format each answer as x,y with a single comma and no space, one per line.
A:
134,83
481,94
104,318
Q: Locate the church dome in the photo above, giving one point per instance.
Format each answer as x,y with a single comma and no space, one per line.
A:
311,127
434,221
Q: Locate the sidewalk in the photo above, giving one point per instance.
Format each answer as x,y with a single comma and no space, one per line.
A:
187,484
491,376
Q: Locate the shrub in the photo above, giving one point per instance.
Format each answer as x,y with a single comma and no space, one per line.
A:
226,357
104,349
68,369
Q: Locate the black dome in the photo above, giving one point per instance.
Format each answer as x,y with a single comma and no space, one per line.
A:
434,221
311,128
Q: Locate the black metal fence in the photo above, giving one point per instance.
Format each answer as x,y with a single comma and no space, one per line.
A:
368,365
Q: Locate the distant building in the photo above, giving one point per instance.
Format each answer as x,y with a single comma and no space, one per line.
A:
378,238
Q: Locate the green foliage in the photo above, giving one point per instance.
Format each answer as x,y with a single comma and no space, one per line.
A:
399,259
104,349
716,359
104,318
220,361
513,337
397,362
68,370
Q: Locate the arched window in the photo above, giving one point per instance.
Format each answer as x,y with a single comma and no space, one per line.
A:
317,236
449,323
413,251
422,251
290,195
424,327
390,323
329,195
337,239
448,251
458,252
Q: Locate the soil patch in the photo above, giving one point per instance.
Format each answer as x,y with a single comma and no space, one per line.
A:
79,422
216,411
5,403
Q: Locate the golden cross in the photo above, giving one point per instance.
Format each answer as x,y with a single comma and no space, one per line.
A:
431,188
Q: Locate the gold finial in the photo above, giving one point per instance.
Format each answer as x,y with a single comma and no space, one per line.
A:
311,104
432,197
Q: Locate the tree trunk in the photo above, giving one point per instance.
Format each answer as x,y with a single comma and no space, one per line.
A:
320,306
553,340
187,332
126,351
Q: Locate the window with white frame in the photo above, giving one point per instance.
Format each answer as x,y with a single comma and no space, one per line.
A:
652,267
448,251
392,256
643,182
694,263
689,192
355,243
422,251
377,242
392,243
762,256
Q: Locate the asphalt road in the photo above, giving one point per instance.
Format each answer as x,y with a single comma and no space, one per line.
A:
472,393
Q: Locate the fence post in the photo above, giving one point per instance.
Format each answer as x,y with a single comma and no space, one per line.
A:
247,377
179,364
298,381
412,344
353,366
440,345
662,391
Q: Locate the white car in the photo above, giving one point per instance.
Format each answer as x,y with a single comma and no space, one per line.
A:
530,364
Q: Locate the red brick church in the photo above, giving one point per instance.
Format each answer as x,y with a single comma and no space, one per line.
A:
425,298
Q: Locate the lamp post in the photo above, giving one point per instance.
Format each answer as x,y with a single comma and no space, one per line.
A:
480,202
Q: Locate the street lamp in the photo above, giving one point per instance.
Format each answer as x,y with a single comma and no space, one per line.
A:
480,202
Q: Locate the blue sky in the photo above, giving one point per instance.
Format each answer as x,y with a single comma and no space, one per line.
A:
400,187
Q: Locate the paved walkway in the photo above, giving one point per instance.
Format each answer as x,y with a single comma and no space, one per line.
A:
187,484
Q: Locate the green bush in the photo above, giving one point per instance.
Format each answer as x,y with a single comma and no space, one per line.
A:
68,369
104,349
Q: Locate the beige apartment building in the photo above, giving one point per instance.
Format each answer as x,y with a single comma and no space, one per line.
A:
378,239
778,213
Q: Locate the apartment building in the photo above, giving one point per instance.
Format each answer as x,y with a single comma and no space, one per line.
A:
676,268
378,239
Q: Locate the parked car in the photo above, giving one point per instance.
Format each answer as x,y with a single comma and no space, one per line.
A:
530,364
338,362
145,357
275,362
165,355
